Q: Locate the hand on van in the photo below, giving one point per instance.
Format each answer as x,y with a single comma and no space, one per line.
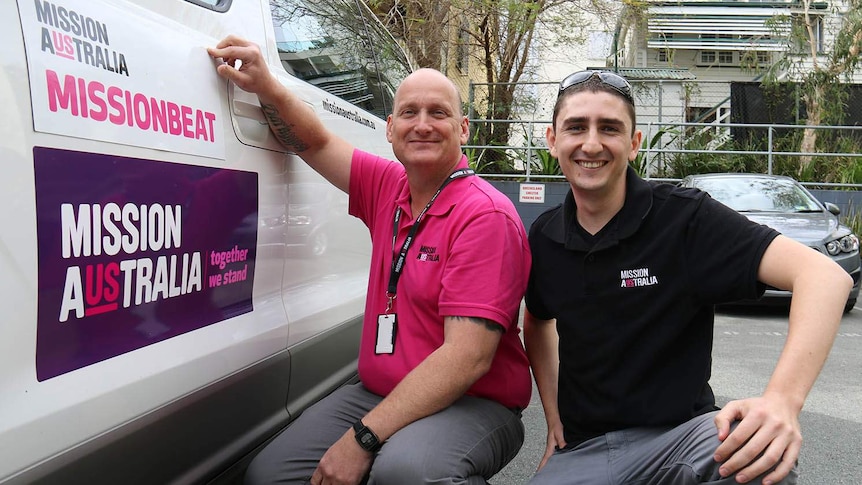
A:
292,121
245,66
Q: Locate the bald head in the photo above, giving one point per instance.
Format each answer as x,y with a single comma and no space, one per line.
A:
426,79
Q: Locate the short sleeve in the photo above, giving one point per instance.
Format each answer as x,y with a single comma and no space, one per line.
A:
724,253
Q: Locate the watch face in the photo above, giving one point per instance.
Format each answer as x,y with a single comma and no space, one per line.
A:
366,438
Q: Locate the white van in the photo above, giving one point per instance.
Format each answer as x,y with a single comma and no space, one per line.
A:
167,304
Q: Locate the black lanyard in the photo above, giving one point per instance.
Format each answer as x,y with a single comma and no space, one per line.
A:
398,263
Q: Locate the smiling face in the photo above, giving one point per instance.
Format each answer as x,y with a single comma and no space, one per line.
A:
593,138
426,127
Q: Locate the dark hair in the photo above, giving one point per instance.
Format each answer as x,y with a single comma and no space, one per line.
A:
593,84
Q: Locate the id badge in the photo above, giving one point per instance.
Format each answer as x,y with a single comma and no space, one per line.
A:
385,334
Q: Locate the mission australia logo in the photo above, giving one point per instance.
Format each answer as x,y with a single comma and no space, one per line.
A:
428,253
75,36
631,278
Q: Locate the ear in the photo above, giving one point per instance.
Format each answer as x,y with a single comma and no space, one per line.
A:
465,130
389,128
636,144
551,137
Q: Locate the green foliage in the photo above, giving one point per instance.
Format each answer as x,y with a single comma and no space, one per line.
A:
543,163
832,169
658,141
487,160
853,220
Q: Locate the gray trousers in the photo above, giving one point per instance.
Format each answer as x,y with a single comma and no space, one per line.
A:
644,456
466,443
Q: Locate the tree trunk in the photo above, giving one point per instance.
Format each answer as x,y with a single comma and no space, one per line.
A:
813,106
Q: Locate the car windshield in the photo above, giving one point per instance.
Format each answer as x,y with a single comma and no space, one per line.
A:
745,194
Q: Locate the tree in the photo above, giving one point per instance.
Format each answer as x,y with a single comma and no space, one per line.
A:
820,73
500,36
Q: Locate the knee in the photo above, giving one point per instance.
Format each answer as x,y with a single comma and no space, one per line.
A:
402,468
396,468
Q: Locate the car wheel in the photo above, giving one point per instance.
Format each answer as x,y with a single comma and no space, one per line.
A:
849,305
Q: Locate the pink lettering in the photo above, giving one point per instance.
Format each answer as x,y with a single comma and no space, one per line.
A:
65,96
174,118
160,119
200,126
95,100
142,111
96,90
187,122
93,285
63,45
211,118
130,117
82,95
119,117
112,286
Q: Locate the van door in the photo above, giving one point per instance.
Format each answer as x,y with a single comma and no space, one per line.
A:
139,311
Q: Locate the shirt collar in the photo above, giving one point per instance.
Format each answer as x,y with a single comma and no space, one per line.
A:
561,228
444,201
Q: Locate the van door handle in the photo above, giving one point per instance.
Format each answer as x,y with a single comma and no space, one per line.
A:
244,109
249,122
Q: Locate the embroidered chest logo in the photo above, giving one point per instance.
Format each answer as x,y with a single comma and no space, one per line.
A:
630,278
428,253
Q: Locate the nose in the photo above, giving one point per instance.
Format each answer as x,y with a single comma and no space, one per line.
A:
592,141
423,124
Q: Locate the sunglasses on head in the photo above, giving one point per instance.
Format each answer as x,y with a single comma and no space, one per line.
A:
608,78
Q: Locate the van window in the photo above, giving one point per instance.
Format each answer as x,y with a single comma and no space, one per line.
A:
326,43
392,64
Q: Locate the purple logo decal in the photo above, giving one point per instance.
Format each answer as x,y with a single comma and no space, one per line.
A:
133,252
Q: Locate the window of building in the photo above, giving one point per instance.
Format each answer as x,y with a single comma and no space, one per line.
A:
707,57
462,50
802,44
818,34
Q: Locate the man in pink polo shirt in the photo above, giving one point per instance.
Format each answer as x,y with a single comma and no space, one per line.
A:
443,373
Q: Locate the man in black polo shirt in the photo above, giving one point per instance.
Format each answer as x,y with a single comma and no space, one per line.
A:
619,316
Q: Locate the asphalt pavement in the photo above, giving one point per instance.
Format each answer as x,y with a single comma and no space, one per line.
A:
746,348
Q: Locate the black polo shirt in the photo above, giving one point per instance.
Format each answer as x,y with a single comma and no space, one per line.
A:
634,303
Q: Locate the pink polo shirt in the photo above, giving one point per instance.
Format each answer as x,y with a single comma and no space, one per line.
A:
470,258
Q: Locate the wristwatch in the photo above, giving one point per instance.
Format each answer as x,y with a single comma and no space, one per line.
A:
366,438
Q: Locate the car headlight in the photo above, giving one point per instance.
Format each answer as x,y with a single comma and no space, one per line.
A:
846,244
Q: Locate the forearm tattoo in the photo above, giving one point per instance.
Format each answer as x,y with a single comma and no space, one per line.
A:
283,131
489,324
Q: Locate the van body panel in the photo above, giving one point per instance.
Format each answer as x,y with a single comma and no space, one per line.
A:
245,298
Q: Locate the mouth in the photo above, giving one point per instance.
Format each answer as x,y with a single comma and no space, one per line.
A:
591,163
422,140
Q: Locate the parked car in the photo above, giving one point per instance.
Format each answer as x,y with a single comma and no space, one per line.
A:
785,205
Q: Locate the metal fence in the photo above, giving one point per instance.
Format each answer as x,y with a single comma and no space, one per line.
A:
663,107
